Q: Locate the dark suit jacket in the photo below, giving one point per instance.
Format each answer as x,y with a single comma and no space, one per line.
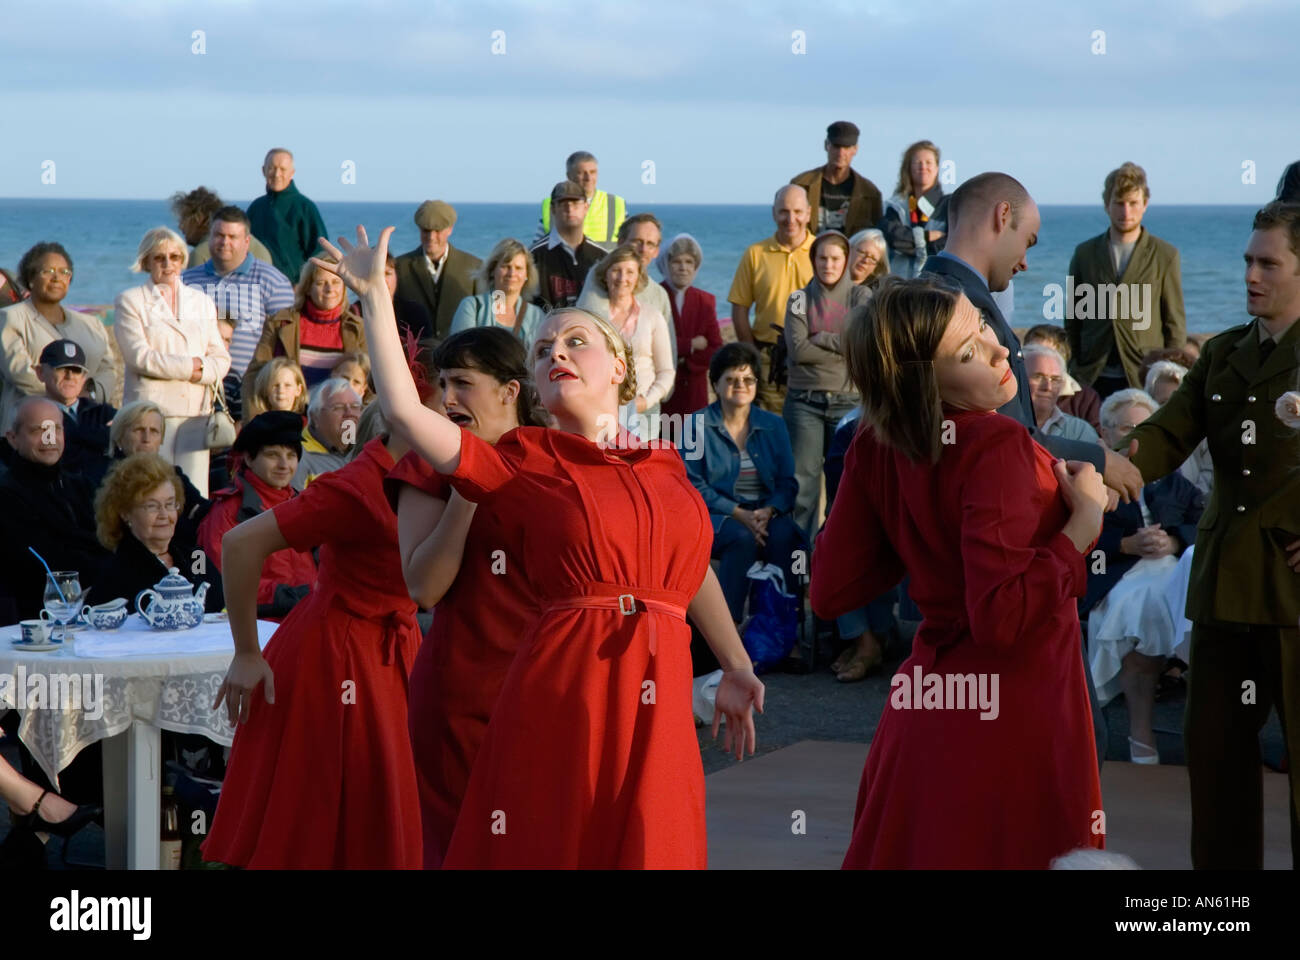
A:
1154,264
85,437
1019,407
1239,570
1175,504
455,283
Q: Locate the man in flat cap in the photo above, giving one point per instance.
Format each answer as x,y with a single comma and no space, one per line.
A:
841,198
436,274
62,368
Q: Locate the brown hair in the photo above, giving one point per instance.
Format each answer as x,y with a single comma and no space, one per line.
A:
261,399
1051,335
620,254
625,228
1281,216
194,212
1125,178
127,481
889,348
905,186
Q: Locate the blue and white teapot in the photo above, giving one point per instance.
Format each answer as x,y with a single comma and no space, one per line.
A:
174,604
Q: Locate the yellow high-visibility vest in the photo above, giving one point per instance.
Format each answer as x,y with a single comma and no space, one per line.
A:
603,218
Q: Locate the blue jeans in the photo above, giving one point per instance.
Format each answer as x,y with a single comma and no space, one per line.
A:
811,417
877,616
736,547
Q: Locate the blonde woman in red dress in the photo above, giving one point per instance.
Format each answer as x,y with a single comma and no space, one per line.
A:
993,532
591,757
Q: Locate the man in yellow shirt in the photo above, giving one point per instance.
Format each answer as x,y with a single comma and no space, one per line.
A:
605,211
769,271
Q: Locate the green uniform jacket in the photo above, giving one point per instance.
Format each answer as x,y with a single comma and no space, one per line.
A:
1154,263
1239,572
290,226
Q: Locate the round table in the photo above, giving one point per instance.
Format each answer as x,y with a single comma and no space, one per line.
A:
123,687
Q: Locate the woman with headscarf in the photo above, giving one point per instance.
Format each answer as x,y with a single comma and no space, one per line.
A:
819,390
695,323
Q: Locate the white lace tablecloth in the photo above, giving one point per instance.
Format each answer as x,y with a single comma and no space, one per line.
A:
164,678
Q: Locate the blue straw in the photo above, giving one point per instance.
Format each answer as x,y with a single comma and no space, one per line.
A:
50,572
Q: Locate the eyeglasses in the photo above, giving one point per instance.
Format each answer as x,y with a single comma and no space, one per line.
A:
743,383
1044,378
344,408
154,508
167,258
54,272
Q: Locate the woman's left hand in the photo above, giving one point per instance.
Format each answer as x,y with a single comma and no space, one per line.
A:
739,694
1287,409
360,266
641,405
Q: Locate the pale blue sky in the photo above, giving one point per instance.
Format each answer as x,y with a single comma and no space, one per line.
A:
411,92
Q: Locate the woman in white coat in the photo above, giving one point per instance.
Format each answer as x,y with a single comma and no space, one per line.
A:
172,350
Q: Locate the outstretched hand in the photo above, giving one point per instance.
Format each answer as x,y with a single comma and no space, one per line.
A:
358,265
739,694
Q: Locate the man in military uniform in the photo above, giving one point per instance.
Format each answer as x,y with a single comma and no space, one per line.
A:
1244,593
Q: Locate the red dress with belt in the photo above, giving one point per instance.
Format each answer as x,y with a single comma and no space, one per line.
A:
323,777
949,783
591,757
462,663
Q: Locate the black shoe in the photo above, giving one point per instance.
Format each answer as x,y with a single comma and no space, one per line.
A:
35,823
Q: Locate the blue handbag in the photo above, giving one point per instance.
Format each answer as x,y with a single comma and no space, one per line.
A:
773,625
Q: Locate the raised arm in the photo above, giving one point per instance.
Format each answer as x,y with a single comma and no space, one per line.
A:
428,432
431,537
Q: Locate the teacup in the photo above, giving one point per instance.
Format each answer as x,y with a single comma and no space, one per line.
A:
35,631
106,616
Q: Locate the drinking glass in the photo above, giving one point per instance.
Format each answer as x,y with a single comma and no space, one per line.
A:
63,598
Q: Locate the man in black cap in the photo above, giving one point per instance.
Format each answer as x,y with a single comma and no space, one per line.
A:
566,255
62,368
841,198
435,274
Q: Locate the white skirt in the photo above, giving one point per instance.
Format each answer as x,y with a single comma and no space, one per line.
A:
1143,612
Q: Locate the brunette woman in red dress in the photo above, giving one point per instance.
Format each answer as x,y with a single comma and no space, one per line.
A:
985,756
590,758
320,774
461,563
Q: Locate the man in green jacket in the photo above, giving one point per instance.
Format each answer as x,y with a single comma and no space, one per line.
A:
283,219
1243,597
1124,291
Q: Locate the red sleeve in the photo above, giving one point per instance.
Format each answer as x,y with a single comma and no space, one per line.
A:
214,526
708,326
1012,587
485,469
414,470
854,562
305,519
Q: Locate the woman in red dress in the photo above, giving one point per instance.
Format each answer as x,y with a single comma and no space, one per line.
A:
320,773
985,756
590,758
456,560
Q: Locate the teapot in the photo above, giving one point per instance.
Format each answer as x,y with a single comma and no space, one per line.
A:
174,604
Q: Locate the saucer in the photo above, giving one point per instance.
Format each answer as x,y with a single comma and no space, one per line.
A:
35,647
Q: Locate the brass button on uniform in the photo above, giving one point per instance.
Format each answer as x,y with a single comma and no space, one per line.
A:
1245,472
1250,399
1241,509
1216,398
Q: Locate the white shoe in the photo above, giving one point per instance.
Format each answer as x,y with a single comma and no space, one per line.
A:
1148,755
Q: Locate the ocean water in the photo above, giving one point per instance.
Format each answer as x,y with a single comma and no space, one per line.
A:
101,236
